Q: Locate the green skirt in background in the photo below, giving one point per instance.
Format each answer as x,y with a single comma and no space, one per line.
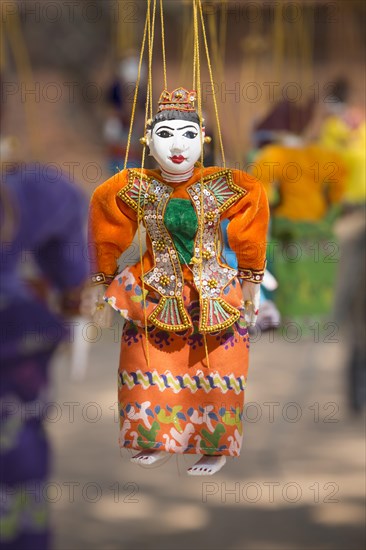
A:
304,258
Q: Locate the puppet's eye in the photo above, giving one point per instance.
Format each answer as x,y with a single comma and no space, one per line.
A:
164,134
190,134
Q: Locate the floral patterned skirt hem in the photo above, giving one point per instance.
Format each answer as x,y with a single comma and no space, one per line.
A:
178,403
190,450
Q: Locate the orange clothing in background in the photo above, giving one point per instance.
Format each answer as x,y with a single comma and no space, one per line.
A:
307,179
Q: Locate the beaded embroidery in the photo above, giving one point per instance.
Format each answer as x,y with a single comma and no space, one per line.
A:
219,192
252,275
149,198
101,279
166,276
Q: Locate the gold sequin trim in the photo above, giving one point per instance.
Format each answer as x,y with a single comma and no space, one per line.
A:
251,275
101,279
238,191
124,193
165,326
205,327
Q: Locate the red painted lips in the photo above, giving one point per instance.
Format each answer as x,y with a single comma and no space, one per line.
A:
177,159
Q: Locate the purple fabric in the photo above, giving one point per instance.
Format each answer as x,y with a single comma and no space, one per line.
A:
46,215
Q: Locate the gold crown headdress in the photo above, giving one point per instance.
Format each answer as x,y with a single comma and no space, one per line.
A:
179,99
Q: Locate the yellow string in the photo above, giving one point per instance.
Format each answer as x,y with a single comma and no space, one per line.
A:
218,57
135,94
212,84
147,33
217,34
163,44
149,29
151,47
148,82
195,33
199,105
218,44
139,218
148,109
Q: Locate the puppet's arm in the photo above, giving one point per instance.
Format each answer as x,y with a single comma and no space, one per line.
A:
112,226
247,233
93,305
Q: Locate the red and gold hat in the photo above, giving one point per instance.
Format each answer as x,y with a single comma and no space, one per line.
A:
179,99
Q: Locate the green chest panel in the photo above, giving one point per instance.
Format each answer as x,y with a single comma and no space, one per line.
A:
180,219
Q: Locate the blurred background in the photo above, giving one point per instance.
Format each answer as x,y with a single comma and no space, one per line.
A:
289,82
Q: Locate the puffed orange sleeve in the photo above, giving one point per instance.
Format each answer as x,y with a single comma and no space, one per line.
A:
112,226
247,230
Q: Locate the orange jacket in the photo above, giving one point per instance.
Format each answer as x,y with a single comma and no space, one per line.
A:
113,223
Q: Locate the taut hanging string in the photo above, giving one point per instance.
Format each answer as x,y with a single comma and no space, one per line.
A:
163,44
218,49
149,32
151,49
219,237
135,95
197,79
195,35
148,110
212,83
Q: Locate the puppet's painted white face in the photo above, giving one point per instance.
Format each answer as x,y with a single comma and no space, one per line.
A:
175,145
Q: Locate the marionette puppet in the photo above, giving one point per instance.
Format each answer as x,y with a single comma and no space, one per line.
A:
184,349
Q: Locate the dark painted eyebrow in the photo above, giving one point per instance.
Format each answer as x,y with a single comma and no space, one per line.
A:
172,129
161,127
189,126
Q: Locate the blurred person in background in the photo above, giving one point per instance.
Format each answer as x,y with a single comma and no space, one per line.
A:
344,131
119,98
42,218
350,314
305,186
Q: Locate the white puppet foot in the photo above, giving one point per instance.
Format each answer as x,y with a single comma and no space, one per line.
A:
147,458
207,466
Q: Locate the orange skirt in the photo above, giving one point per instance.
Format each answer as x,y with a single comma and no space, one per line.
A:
180,404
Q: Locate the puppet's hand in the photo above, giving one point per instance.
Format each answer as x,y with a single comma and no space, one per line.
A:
93,306
251,296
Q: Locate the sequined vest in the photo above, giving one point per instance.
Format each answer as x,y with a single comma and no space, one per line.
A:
149,197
